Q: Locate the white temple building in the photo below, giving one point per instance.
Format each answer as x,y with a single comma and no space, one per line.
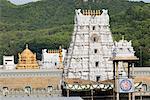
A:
52,59
92,48
123,50
8,62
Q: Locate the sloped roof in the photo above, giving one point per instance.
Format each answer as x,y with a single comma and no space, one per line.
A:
143,79
129,58
76,84
78,81
107,81
27,52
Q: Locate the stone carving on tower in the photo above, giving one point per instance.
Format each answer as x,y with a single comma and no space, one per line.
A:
91,47
27,60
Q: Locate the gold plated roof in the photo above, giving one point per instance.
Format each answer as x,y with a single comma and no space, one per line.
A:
27,52
27,60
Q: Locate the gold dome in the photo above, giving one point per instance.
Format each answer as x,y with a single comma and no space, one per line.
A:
27,60
26,52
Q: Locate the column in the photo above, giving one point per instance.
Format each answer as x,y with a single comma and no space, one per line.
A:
114,77
133,95
91,94
117,76
67,92
129,96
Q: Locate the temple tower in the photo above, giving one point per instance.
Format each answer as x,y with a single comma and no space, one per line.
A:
91,47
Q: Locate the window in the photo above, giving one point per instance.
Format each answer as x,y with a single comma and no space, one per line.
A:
94,39
97,78
100,27
28,90
8,60
93,28
81,27
55,64
50,89
96,64
95,50
144,86
121,48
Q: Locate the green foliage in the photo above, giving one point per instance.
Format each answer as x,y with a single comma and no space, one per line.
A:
49,23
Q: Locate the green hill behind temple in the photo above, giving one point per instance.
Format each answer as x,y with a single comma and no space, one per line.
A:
49,23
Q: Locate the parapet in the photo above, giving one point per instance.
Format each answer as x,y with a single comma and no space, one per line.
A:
53,51
91,12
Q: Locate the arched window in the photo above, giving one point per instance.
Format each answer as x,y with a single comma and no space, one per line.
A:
97,78
93,28
95,38
49,89
95,51
96,64
5,90
144,87
27,90
55,63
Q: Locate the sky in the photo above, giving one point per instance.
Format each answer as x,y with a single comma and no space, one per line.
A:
20,2
141,0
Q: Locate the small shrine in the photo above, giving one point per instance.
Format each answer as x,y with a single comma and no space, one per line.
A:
27,60
53,59
123,49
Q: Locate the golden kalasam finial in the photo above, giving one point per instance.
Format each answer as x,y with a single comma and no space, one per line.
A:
27,46
19,55
59,47
60,54
94,13
99,12
86,12
122,37
91,13
83,12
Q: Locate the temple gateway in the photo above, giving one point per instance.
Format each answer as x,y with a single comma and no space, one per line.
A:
91,66
92,47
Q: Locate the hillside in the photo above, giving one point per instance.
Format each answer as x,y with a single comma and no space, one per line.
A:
49,23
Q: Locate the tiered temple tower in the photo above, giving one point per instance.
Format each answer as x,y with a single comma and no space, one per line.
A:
90,51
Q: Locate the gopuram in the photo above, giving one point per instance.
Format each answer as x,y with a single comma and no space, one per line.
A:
91,49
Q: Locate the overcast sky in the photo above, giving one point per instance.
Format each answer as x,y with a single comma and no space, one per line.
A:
19,2
141,0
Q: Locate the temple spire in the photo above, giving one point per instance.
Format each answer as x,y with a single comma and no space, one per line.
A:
122,37
59,47
26,46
